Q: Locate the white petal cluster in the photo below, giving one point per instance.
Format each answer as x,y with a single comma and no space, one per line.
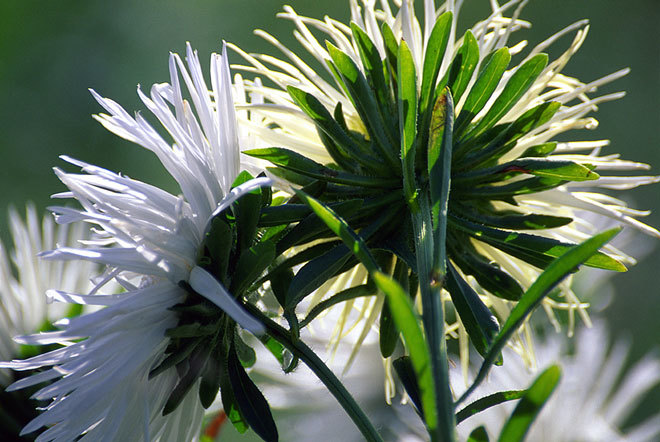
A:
594,396
24,278
148,240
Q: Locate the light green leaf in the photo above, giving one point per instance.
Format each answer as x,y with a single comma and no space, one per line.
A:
463,66
530,405
546,281
407,118
435,51
488,401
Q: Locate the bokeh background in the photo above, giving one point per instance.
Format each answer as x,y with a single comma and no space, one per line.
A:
52,51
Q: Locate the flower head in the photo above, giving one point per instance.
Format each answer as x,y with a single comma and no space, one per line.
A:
147,352
402,104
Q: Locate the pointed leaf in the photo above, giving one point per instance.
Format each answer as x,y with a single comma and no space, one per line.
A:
483,88
251,264
406,372
480,323
545,283
407,118
251,402
479,434
435,51
530,405
463,66
521,80
488,401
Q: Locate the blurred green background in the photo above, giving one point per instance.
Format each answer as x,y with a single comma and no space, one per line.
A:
51,52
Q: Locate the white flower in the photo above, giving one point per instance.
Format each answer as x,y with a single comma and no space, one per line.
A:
24,278
592,401
276,119
149,241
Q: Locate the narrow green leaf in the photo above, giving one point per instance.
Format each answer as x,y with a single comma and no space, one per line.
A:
506,191
365,103
247,210
358,291
542,167
340,228
173,359
533,243
488,274
316,272
540,150
251,402
391,53
300,164
480,323
251,265
407,102
283,214
483,88
197,362
439,168
373,67
325,122
406,321
245,353
211,377
216,248
546,281
311,227
486,402
463,66
479,434
229,403
530,405
435,51
518,221
519,83
406,372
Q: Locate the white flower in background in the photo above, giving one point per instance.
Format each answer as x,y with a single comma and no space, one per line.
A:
24,278
276,119
592,401
149,241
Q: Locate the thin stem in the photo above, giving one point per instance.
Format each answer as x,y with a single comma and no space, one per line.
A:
307,355
434,322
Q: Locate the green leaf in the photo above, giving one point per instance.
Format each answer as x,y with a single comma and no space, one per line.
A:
435,51
373,67
197,362
365,104
502,138
488,274
479,434
247,210
358,291
483,88
406,321
340,228
179,355
530,405
216,248
250,266
326,123
537,244
246,354
211,377
507,191
391,52
480,323
463,66
546,281
406,372
275,348
519,83
541,167
229,403
388,334
311,227
298,163
439,168
407,104
486,402
193,330
284,214
251,402
540,150
315,273
517,221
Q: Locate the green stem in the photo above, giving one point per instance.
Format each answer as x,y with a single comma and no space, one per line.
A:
434,322
307,355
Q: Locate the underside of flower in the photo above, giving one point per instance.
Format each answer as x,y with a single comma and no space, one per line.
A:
400,104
